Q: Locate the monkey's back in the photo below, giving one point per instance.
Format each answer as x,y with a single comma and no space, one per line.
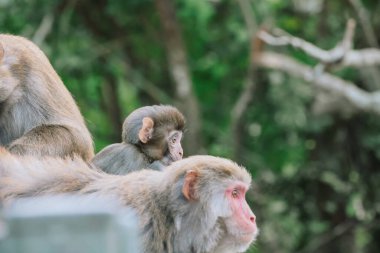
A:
120,159
32,93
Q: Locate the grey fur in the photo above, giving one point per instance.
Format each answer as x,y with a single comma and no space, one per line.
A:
132,154
120,158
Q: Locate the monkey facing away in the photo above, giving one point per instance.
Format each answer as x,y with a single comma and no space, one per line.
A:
151,138
38,115
195,205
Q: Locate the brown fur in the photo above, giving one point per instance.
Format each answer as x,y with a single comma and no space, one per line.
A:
38,115
169,223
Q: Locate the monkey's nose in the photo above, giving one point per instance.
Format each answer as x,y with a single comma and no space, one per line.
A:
252,219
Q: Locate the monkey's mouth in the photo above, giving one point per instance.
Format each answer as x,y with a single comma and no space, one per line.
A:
247,237
175,157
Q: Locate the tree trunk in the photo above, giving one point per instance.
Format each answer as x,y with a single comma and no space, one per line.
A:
179,71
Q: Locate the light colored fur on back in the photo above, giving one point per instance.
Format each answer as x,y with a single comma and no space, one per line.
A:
168,222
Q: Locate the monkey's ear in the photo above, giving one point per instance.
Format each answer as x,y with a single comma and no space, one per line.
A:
188,188
146,131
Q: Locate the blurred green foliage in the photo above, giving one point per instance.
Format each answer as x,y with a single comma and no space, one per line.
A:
317,177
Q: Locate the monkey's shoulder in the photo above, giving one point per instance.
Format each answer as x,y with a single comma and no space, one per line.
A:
120,150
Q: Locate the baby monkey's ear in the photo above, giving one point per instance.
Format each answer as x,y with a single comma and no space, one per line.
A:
146,131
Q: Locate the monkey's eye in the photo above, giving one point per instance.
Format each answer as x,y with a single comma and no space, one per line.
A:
235,193
174,140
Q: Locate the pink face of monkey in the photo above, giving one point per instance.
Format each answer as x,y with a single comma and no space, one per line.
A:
242,223
174,145
226,205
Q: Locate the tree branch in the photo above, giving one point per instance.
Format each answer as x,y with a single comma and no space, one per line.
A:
359,99
249,85
342,55
43,29
249,19
365,22
325,56
47,21
372,74
157,94
361,58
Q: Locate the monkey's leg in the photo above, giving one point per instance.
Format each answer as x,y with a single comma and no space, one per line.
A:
7,85
51,140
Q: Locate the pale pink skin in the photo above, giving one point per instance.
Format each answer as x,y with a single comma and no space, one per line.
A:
243,217
175,147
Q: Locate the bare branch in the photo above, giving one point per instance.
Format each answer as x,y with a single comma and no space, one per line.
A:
249,84
371,74
362,58
342,55
359,99
325,56
134,77
43,29
365,22
180,72
140,82
246,10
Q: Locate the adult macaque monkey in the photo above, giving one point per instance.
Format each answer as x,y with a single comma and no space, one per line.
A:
195,205
151,138
38,116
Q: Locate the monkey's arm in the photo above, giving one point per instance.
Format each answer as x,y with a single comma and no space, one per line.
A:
51,140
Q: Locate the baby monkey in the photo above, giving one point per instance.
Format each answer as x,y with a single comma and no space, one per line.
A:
151,138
